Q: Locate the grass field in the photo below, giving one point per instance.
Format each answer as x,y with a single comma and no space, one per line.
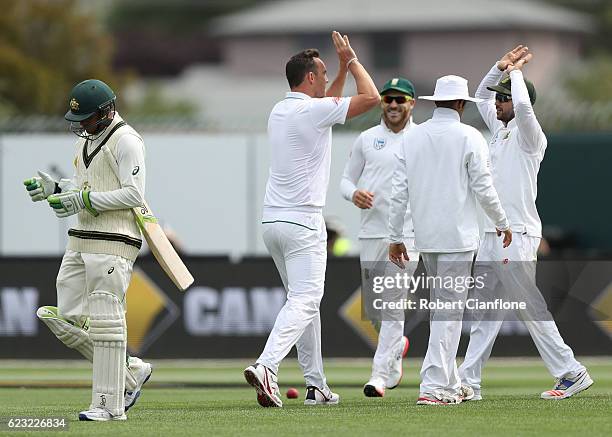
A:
210,398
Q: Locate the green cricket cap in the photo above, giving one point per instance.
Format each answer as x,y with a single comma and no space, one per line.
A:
398,84
505,87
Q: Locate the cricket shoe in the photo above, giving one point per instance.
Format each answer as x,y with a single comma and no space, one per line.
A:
374,388
142,372
316,396
265,383
439,397
468,393
99,415
566,387
396,371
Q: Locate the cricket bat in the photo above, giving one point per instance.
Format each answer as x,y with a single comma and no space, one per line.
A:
156,238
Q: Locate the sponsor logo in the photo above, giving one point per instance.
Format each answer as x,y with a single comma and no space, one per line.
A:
232,310
111,270
136,170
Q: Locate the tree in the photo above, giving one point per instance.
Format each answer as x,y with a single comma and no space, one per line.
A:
46,47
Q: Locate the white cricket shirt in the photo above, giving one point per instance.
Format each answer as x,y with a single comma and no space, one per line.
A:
370,167
516,152
443,171
299,130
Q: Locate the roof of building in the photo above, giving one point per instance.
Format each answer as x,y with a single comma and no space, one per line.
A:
308,16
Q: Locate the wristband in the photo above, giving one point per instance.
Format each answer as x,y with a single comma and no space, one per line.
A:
351,60
87,202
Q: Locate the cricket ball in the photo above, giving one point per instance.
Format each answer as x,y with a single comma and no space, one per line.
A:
292,393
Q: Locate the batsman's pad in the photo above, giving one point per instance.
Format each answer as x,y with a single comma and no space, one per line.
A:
77,338
68,333
107,330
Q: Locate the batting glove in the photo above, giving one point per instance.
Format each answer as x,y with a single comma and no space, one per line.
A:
70,203
40,187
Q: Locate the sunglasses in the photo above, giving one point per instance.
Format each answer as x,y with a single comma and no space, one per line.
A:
502,98
399,99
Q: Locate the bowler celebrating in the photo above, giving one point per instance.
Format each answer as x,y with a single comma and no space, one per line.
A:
299,130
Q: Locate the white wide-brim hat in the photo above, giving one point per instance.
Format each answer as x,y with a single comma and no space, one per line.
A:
451,88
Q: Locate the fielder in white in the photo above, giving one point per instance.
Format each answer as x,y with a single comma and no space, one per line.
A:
443,171
366,182
517,149
299,129
97,266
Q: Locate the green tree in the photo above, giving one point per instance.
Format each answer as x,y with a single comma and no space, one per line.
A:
46,47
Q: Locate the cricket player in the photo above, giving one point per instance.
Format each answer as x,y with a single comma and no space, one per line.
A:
443,171
367,183
96,268
299,130
516,149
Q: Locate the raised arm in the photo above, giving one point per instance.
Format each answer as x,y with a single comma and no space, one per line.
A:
487,106
529,128
367,95
345,54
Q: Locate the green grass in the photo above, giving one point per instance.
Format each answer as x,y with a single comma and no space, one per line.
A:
210,398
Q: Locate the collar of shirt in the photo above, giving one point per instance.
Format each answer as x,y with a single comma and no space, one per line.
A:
445,114
297,95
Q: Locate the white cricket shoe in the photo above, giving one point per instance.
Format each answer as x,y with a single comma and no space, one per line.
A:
142,372
439,397
467,393
265,383
396,370
317,396
566,387
99,415
374,388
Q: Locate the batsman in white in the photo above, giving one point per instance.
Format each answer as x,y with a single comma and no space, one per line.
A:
516,149
443,172
97,266
366,182
299,130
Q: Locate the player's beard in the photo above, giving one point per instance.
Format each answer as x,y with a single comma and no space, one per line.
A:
398,121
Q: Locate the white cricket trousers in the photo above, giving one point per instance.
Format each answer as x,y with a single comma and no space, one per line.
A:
82,273
374,251
514,269
299,250
445,274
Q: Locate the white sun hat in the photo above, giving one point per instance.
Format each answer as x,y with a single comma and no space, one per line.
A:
451,88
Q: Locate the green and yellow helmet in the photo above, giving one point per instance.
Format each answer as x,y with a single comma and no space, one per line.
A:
88,97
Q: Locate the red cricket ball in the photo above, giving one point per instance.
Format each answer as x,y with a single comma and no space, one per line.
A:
292,393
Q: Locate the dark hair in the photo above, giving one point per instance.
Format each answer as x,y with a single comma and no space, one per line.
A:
299,65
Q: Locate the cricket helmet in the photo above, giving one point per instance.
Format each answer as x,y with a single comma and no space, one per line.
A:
87,98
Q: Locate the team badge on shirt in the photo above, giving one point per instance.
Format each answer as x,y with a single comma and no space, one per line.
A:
379,143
